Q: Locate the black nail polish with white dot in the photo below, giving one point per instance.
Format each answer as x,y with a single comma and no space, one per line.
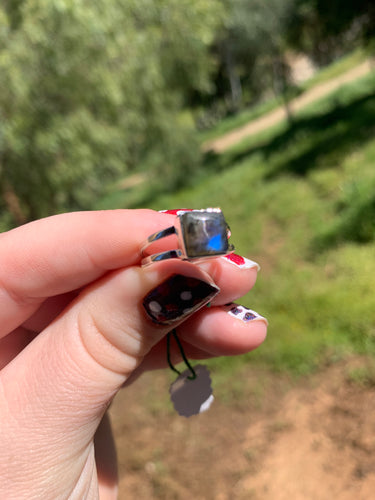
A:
177,297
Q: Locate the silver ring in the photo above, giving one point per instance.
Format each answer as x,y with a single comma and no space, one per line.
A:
201,234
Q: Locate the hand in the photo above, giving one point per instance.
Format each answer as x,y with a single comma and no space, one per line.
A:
75,323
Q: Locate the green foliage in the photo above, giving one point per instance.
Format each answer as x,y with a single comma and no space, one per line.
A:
255,38
325,30
259,25
259,40
251,52
92,90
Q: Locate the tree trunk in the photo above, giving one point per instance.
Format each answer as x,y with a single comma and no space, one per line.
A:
280,72
13,204
234,79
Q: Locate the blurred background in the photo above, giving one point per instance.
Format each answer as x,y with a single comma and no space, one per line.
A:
265,108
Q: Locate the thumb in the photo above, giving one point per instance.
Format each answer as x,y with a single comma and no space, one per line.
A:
58,388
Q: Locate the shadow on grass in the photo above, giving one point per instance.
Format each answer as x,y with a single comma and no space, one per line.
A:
355,223
311,142
318,141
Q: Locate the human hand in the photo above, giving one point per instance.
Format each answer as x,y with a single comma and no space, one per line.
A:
73,329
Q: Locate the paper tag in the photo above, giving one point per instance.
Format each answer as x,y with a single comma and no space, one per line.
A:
191,397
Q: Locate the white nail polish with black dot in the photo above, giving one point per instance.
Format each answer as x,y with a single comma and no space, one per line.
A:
244,314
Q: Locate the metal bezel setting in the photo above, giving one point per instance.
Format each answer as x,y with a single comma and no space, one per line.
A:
181,232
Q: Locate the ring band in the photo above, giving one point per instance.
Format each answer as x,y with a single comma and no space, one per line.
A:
201,234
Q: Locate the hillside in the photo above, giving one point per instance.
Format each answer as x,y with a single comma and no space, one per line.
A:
293,419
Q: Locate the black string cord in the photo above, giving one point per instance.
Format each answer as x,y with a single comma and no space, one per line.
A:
186,361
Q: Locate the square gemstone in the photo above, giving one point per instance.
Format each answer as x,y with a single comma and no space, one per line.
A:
204,233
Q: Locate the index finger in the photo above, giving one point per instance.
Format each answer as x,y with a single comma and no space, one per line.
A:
62,253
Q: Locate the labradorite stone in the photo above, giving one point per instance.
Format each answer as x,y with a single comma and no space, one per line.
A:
204,233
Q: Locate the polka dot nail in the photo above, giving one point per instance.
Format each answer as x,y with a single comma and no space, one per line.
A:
178,297
243,313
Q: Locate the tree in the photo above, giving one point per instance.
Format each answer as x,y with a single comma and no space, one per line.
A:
251,47
325,30
91,91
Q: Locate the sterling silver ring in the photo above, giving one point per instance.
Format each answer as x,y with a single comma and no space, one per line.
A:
201,234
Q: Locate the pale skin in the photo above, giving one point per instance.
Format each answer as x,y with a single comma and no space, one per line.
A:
73,332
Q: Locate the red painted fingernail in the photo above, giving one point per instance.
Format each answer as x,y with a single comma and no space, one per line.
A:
241,262
176,211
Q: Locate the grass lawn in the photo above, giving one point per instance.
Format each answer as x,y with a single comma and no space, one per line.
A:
300,200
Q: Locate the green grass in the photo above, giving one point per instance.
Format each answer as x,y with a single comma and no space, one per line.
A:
363,376
300,200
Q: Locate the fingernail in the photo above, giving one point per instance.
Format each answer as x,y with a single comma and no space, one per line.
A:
241,262
177,211
244,314
178,297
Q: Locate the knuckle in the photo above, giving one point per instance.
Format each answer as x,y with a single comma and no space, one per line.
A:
115,350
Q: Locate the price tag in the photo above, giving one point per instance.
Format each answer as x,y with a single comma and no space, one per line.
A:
192,396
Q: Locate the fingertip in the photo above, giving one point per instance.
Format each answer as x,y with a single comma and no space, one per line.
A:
234,281
223,332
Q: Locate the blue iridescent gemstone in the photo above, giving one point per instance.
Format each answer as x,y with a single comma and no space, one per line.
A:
204,233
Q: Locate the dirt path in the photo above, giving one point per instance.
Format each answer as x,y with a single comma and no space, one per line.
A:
277,440
273,117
